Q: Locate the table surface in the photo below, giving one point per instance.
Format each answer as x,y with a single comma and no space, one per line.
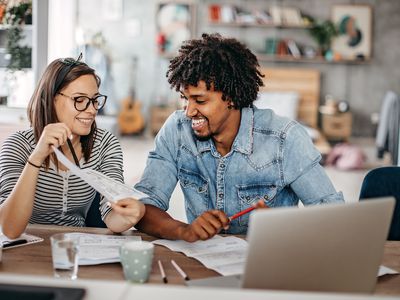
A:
35,259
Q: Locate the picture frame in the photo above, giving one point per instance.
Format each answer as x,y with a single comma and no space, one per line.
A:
354,24
175,24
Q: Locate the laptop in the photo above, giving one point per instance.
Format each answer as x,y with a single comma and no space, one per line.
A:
325,248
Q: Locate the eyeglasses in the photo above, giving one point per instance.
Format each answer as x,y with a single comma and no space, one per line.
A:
81,103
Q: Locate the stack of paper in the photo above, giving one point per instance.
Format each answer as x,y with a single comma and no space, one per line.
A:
226,255
97,249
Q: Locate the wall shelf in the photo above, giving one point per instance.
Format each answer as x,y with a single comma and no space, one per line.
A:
318,60
260,25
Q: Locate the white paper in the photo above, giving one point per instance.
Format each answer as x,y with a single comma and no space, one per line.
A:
111,189
97,249
211,260
231,269
30,239
226,255
385,270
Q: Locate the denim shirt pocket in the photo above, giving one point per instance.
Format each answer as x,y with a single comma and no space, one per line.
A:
195,188
250,194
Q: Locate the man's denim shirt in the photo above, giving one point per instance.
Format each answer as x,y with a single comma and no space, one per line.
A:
272,158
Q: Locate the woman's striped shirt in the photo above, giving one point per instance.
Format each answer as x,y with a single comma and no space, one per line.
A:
61,198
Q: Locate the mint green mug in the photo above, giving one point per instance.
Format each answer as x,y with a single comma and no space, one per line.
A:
136,259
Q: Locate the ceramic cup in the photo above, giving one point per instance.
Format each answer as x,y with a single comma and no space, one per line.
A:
136,259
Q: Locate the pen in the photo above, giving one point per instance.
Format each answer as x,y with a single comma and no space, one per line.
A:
241,213
164,277
7,244
180,271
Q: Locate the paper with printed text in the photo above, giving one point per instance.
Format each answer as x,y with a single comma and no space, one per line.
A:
111,189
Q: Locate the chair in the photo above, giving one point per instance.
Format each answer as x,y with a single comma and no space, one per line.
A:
93,217
383,182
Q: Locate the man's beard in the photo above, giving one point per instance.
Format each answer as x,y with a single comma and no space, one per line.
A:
203,138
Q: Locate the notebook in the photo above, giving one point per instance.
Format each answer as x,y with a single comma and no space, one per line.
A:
326,248
24,239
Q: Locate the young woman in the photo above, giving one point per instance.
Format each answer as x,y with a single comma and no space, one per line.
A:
34,186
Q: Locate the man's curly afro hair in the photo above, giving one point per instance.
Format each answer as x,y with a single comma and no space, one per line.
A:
225,63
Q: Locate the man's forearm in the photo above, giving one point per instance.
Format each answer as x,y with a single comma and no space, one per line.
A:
159,223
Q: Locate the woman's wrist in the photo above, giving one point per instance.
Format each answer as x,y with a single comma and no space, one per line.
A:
34,165
35,161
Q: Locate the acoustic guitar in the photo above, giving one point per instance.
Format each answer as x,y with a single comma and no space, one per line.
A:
130,119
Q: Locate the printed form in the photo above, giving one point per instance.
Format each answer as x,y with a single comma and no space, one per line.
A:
97,249
111,189
225,255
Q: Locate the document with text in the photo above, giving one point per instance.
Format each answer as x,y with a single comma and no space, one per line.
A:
225,255
97,249
111,189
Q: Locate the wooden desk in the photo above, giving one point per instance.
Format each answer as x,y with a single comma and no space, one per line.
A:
35,259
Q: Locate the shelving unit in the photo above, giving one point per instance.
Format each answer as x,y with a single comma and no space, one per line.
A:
315,60
278,32
261,25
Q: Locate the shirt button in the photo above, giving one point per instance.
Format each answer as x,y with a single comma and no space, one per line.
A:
222,166
247,197
200,189
266,197
221,195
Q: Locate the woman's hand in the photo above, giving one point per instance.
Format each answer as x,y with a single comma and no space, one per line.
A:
55,134
130,209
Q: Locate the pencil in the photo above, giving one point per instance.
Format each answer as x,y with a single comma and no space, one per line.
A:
241,213
163,276
180,271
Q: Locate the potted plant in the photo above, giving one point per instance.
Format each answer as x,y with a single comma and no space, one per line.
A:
323,33
17,15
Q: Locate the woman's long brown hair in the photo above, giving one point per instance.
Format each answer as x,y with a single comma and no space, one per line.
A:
41,110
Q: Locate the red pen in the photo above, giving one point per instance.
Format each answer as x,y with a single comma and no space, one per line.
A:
243,212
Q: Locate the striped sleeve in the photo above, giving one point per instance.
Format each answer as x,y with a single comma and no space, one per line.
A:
111,164
13,156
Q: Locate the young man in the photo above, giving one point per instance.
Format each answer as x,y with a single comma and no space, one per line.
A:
226,154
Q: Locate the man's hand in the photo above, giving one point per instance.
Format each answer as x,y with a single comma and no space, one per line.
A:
205,226
260,204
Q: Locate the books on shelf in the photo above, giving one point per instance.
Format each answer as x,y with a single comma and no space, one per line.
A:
291,16
287,16
282,47
275,15
275,12
214,13
293,49
221,13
